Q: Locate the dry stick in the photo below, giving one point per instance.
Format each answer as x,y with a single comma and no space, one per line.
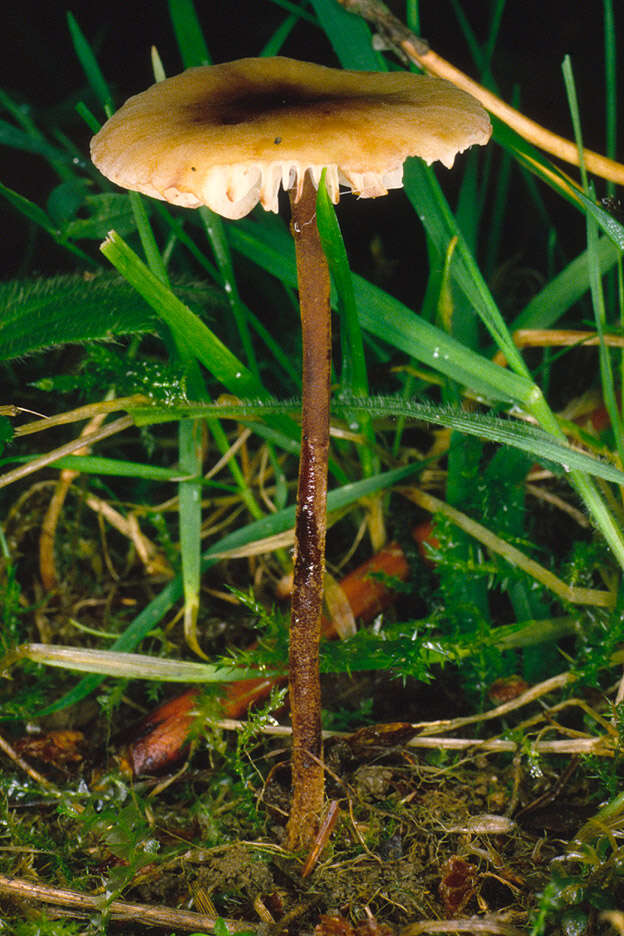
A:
118,909
326,828
482,925
535,692
599,745
419,52
36,463
310,524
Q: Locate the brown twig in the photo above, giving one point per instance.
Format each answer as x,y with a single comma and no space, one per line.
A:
118,910
421,54
326,828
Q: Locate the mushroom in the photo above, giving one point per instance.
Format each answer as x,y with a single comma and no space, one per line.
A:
229,136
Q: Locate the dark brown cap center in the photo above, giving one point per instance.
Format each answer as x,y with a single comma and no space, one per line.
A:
247,104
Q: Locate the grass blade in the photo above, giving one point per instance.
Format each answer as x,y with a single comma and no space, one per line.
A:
188,33
90,66
189,330
126,665
388,319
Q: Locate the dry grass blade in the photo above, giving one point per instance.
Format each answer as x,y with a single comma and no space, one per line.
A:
82,412
548,497
47,562
615,918
581,596
531,695
154,561
598,746
35,464
17,759
558,338
490,924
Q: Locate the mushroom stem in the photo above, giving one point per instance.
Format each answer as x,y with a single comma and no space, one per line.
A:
310,524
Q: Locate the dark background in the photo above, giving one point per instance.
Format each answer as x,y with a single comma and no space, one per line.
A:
39,68
38,60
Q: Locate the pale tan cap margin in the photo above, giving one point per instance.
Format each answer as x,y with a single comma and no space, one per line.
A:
227,136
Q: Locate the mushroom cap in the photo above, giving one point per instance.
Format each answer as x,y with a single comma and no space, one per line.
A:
227,136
